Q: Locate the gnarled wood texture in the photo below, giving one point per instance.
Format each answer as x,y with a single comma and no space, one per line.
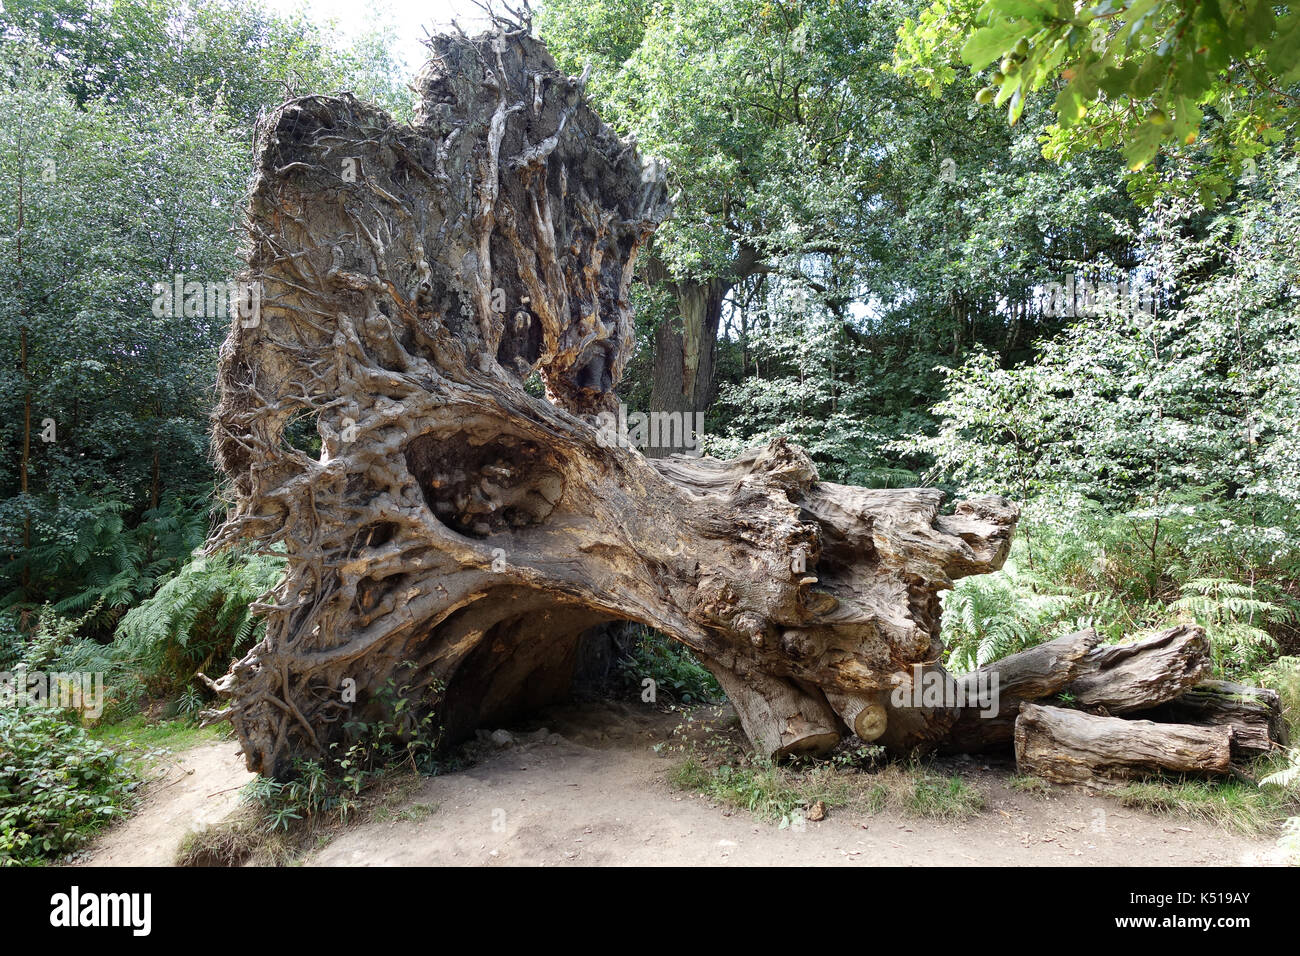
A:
1253,713
457,533
1069,746
1122,678
1029,675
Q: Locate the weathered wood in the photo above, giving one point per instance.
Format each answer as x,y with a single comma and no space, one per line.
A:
1122,678
1070,746
1027,676
462,532
1253,713
780,718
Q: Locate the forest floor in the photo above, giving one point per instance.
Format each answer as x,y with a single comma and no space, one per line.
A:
584,785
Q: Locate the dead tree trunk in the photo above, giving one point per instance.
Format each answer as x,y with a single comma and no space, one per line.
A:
1030,675
1123,678
1253,713
1069,746
456,534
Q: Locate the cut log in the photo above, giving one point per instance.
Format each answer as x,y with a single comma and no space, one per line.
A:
865,715
455,533
1069,746
1253,713
780,719
1122,678
994,693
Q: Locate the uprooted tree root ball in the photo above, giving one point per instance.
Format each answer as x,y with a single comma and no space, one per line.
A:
411,278
457,536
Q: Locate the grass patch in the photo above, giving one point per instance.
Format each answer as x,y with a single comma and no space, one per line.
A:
774,792
1231,804
919,791
242,838
409,814
1028,783
768,791
138,734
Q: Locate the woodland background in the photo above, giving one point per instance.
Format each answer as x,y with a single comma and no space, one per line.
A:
867,236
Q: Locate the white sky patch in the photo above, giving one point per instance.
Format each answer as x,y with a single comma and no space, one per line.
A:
412,19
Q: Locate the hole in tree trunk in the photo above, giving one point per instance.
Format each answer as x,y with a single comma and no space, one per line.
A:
481,489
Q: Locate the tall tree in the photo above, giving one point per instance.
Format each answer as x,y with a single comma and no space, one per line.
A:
763,112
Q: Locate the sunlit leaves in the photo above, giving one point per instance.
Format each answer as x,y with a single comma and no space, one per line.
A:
1137,76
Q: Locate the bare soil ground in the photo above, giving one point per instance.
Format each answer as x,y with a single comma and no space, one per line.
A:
193,789
582,785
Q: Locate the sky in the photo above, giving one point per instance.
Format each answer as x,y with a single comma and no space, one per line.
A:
411,17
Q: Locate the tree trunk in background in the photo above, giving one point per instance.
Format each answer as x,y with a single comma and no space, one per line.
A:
685,350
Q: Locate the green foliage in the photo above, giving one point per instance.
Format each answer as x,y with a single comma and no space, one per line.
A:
198,619
94,560
1128,74
1153,450
1234,619
125,131
677,674
989,617
765,789
1233,804
404,730
57,786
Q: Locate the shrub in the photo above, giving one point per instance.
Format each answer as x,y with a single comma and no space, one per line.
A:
676,673
57,785
197,620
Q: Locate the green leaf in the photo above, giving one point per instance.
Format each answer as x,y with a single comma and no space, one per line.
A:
989,43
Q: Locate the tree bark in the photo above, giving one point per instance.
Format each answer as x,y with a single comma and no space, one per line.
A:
1069,746
456,535
1253,713
1029,675
683,372
1122,678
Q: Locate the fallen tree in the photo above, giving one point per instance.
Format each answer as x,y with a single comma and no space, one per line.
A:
1069,746
1034,674
1253,713
1122,678
420,415
455,534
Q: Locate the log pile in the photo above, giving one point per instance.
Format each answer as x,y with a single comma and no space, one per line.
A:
1133,708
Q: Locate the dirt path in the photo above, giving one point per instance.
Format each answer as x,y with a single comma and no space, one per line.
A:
191,790
598,796
588,789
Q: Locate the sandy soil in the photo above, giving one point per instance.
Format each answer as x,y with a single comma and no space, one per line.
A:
582,785
189,791
597,795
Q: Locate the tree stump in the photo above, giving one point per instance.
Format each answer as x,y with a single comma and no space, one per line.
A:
455,534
